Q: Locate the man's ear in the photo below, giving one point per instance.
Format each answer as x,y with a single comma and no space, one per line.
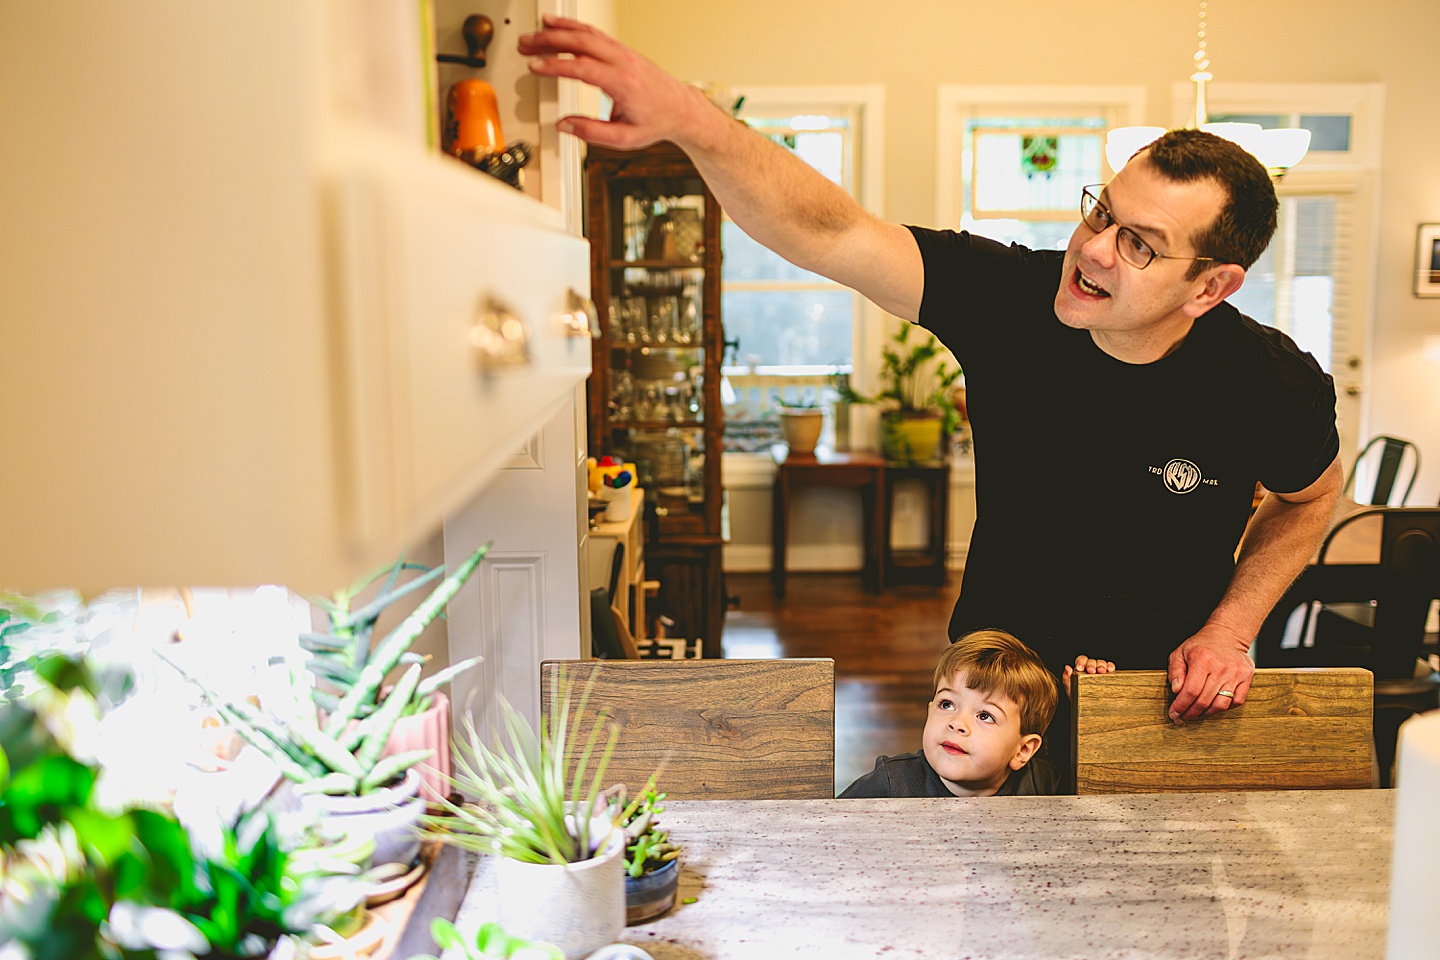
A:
1028,745
1220,281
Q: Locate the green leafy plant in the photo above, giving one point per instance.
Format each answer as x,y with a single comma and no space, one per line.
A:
29,629
85,883
344,661
914,379
491,941
527,808
647,847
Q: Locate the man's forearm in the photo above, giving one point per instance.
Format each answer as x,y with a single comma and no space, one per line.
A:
1280,540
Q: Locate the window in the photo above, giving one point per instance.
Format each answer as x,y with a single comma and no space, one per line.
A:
1013,159
789,331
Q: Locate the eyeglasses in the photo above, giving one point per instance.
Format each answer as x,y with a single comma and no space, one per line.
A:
1128,244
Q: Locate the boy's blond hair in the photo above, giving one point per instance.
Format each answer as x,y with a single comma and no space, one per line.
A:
996,662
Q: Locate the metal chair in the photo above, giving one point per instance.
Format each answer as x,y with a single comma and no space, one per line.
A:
1297,730
722,729
1382,466
1369,615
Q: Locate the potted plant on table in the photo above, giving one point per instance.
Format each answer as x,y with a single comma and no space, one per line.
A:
652,865
559,854
801,424
351,671
917,399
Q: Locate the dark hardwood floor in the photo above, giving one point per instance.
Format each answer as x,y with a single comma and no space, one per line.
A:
885,647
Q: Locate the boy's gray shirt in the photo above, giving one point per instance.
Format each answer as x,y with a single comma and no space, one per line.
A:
910,775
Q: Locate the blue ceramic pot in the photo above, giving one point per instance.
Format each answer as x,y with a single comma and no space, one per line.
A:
649,896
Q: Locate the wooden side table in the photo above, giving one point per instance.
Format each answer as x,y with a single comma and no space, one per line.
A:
926,565
862,471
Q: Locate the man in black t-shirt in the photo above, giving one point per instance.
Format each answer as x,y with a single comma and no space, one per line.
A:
1123,412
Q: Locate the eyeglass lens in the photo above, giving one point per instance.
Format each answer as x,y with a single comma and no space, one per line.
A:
1128,244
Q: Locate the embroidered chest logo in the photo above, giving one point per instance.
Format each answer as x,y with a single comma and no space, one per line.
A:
1181,476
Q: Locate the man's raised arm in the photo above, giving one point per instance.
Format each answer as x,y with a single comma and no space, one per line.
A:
773,195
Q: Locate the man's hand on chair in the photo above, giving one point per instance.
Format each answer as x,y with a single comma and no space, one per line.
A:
1209,673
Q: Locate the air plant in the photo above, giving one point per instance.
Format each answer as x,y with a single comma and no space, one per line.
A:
526,807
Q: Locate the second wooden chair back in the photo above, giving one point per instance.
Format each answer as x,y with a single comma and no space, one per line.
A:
1299,729
724,729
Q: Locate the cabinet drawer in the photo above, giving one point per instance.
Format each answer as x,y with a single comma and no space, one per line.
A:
422,268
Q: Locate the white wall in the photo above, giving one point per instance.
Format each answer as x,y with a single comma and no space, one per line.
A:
911,46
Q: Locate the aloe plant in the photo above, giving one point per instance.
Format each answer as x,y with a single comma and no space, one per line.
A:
345,660
346,762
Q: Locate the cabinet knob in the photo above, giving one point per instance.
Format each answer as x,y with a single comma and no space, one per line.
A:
581,320
500,338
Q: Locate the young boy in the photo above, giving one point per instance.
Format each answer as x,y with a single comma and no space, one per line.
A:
993,698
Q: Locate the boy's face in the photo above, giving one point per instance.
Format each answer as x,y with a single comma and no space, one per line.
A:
973,739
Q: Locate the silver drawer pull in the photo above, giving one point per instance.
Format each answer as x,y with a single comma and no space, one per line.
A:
581,320
500,338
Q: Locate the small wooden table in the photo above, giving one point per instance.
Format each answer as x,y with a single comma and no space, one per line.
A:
863,471
927,564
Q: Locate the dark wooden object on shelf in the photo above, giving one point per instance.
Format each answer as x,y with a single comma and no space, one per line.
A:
864,472
675,443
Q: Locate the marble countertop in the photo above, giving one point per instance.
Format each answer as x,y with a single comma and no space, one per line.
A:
1223,875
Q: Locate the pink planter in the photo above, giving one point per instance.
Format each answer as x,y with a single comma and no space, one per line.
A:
428,730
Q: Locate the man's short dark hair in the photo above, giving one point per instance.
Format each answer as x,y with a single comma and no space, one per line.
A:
1242,229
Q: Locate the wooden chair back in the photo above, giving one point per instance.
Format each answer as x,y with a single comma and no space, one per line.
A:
1299,729
723,729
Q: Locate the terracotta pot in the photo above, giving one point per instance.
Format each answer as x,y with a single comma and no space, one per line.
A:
802,430
427,730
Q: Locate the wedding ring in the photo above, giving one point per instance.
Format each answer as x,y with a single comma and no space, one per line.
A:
1224,693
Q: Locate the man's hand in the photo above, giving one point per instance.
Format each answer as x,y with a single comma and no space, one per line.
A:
1209,673
650,105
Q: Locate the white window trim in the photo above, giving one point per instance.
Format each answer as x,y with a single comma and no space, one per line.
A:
1364,102
957,104
866,103
1354,172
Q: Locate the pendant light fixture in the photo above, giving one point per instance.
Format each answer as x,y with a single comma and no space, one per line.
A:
1277,150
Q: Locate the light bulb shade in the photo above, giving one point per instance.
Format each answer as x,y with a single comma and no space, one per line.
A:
1281,149
1122,142
1247,135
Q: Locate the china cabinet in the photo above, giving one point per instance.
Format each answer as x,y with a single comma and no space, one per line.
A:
654,390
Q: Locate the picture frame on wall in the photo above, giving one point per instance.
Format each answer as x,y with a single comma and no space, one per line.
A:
1427,260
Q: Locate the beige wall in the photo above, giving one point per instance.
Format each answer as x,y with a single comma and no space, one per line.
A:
910,46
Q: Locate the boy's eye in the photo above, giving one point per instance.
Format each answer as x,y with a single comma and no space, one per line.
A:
986,715
943,704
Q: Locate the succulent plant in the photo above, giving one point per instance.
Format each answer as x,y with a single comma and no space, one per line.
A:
344,659
647,847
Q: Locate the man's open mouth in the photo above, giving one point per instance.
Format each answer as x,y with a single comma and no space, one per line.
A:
1090,287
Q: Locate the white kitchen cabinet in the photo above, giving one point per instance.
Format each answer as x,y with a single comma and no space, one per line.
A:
239,296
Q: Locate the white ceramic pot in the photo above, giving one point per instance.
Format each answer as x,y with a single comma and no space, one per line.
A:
579,907
391,815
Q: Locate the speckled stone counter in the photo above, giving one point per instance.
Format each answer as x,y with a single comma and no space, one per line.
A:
1293,874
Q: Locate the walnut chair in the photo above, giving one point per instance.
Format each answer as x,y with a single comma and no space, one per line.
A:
715,729
1306,729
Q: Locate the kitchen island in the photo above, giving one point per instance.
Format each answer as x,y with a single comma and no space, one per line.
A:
1271,874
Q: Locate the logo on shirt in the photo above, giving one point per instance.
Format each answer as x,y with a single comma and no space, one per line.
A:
1181,476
